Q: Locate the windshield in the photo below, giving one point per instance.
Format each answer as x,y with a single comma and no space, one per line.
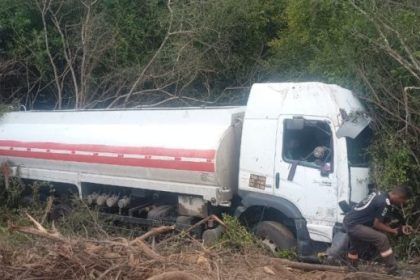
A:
357,148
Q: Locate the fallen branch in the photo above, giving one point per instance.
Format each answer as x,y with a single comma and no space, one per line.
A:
367,276
211,217
34,231
145,248
277,263
50,201
154,232
136,244
39,230
175,275
102,276
148,251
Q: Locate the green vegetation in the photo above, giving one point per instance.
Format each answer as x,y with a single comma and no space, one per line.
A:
236,235
286,254
84,54
120,53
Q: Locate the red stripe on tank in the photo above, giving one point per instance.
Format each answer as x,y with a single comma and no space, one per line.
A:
195,153
201,160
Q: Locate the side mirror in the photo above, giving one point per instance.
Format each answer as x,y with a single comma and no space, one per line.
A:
352,124
344,206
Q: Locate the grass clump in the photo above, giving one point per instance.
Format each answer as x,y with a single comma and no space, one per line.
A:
289,254
11,197
236,236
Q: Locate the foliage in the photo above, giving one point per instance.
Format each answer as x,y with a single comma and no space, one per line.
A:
407,247
286,254
391,161
3,109
120,53
125,53
236,235
11,197
79,220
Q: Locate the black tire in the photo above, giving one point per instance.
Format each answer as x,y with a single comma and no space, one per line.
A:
276,236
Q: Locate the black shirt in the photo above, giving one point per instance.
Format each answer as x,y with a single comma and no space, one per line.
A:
374,206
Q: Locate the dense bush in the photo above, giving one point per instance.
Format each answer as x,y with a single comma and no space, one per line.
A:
120,53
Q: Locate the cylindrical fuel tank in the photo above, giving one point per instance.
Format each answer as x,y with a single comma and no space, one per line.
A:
192,145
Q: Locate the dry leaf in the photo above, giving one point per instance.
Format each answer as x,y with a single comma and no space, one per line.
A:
268,270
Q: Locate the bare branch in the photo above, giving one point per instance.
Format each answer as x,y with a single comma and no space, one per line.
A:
165,39
44,8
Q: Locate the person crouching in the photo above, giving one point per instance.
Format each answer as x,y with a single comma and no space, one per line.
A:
365,224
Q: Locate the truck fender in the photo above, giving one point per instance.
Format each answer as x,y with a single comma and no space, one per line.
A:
259,199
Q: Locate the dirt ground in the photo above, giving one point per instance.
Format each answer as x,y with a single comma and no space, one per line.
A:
35,252
120,259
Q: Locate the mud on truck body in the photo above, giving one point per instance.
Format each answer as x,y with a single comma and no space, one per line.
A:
282,164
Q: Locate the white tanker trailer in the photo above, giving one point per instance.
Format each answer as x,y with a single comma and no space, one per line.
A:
282,163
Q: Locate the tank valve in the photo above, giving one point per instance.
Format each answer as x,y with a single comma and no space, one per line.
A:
112,200
101,199
91,198
124,202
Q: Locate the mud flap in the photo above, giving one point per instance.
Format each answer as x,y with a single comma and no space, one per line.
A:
304,246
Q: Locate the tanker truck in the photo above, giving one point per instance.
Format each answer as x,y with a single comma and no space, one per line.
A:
282,164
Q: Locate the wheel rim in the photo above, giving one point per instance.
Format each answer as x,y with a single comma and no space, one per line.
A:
269,244
274,236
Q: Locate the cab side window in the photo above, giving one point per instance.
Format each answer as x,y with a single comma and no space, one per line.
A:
308,142
357,149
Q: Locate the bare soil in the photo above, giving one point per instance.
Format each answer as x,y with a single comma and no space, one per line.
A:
47,254
120,259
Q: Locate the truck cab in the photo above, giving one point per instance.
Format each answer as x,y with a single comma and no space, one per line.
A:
303,151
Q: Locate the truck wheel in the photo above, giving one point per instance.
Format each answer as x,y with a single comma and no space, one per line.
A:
276,236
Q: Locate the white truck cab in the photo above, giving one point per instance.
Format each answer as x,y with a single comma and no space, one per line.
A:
303,151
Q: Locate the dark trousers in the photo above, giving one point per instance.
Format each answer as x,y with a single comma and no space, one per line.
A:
360,235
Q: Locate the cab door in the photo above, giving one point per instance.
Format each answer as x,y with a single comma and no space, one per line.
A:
304,171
